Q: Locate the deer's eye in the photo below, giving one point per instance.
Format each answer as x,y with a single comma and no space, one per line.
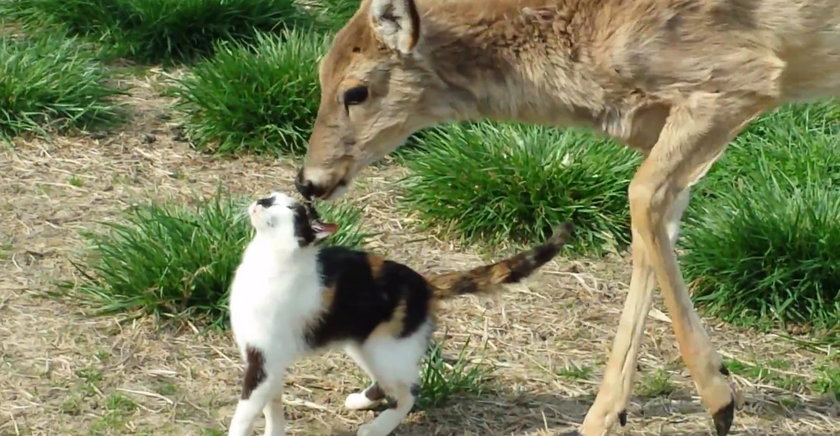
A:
355,95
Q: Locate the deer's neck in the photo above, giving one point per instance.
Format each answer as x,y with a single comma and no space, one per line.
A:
518,60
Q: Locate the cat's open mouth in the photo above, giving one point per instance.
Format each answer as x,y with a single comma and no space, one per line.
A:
323,227
315,222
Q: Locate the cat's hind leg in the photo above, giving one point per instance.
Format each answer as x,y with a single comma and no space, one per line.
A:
387,421
373,395
395,363
367,399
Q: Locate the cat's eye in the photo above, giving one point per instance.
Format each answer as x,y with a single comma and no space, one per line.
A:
355,95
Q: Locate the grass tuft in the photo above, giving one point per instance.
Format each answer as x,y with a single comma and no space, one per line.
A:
154,30
488,182
331,15
768,254
440,380
656,384
174,261
761,242
52,84
260,98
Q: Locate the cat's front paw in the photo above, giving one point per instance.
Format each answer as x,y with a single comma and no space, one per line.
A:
370,430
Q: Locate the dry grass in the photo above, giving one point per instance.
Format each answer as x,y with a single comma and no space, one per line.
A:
66,373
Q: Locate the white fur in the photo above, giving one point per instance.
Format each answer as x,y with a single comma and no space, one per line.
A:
275,295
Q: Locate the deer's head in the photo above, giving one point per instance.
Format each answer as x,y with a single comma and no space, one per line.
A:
377,88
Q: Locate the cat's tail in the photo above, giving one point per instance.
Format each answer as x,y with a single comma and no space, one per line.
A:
511,270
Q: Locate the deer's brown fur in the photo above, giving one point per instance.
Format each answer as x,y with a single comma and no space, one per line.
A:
674,79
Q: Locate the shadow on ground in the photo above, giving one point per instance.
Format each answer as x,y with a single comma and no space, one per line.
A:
504,413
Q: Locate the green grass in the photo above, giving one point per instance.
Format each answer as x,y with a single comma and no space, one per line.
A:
117,410
175,261
441,381
656,384
828,381
495,183
120,403
824,377
52,84
261,98
574,373
761,242
331,15
154,30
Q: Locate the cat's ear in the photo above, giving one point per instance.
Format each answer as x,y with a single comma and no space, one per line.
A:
322,230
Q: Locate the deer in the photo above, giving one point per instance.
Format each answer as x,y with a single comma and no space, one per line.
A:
675,80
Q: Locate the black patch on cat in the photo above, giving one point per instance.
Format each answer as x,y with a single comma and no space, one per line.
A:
415,390
723,370
254,371
266,202
545,253
537,258
622,418
516,275
465,285
374,392
304,233
361,301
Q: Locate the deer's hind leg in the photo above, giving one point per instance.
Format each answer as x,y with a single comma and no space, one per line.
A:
617,382
695,134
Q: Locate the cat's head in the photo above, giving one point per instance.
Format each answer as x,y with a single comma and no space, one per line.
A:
288,221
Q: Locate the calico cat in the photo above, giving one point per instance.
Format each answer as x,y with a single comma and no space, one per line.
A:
289,297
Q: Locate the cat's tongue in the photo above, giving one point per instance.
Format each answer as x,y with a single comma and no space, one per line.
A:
325,228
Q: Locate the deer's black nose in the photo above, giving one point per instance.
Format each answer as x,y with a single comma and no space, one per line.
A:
266,202
306,188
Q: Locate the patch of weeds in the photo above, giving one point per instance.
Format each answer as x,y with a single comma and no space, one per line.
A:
331,15
118,408
828,381
76,181
176,261
575,373
761,237
771,372
441,380
90,375
52,84
498,183
768,254
110,423
787,401
273,114
656,384
5,250
154,30
212,432
102,355
167,388
72,405
120,404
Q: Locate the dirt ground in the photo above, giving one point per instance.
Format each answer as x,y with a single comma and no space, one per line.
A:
63,371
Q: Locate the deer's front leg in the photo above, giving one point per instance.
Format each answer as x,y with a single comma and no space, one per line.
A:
694,136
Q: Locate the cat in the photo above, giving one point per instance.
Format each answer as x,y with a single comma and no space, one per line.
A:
291,296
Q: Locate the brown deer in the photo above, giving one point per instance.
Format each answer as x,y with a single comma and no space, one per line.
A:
674,79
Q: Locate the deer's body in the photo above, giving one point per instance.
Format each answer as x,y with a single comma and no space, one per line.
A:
674,79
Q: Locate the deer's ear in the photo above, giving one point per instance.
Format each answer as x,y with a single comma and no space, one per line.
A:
396,24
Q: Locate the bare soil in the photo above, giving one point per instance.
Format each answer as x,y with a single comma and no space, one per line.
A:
64,371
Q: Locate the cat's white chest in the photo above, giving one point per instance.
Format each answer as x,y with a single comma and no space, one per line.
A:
273,300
